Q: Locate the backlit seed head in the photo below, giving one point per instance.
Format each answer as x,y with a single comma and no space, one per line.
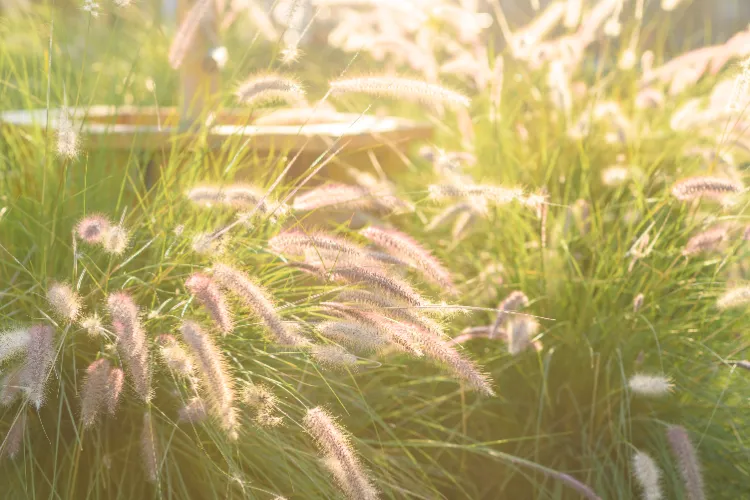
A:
650,385
115,240
64,301
92,228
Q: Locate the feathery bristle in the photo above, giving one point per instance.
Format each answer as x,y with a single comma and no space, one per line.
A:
650,385
341,197
175,357
13,343
333,356
91,229
67,136
218,383
209,295
460,365
521,330
264,402
93,325
403,336
115,240
186,33
688,462
648,475
358,336
513,302
494,194
40,355
335,446
714,188
706,241
364,299
382,281
193,412
95,391
400,88
406,248
131,341
14,439
263,88
257,299
735,297
64,302
114,389
149,450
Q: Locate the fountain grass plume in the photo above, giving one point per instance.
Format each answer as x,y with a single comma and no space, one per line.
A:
461,366
210,296
648,475
193,412
131,341
365,299
265,87
513,302
645,384
91,229
217,382
405,337
337,450
400,88
706,241
734,298
115,240
520,331
713,188
687,460
407,248
185,36
257,299
40,355
13,343
333,357
342,197
95,391
380,280
493,194
64,302
359,336
175,357
115,382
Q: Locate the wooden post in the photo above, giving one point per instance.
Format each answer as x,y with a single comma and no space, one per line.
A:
199,75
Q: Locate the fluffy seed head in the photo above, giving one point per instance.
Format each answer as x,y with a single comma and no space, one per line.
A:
406,248
342,197
382,281
114,389
333,356
40,355
93,325
706,241
359,336
131,341
257,299
735,297
13,343
714,188
186,33
115,240
175,356
217,382
64,301
493,194
91,229
648,475
687,459
401,88
95,391
520,332
210,296
335,447
638,302
67,136
513,302
193,412
650,385
259,89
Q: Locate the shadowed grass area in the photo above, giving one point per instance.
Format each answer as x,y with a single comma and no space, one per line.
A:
563,410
